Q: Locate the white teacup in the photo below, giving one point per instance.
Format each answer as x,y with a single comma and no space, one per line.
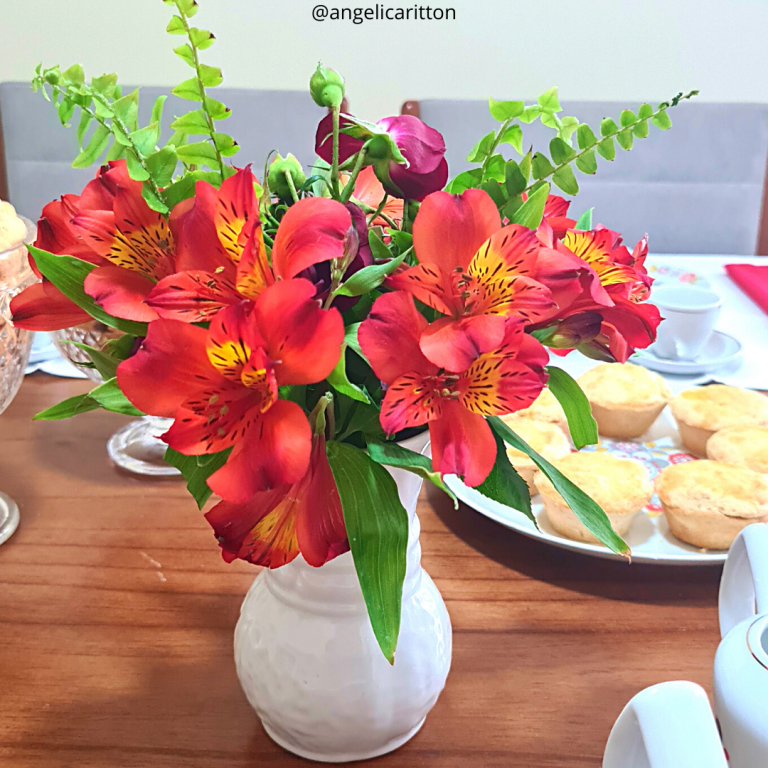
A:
690,315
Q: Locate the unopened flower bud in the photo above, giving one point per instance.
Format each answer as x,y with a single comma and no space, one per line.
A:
282,166
326,87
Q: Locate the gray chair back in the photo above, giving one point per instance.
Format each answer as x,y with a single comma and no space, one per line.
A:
697,188
39,150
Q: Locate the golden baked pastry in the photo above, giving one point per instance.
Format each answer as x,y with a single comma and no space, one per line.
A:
544,408
622,487
707,503
746,446
547,439
702,411
625,399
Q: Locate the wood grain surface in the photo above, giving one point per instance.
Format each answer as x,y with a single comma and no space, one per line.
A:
117,615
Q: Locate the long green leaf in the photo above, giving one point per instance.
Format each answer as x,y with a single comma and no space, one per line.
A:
110,397
68,408
98,143
531,211
196,470
581,424
339,381
370,277
377,527
587,510
505,485
68,274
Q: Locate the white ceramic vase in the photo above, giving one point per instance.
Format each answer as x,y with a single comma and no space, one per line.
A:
310,665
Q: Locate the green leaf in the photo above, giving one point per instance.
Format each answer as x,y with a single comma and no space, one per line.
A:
201,38
187,7
196,470
585,220
153,201
513,136
185,53
607,149
104,363
199,153
161,165
541,166
587,162
505,110
526,164
567,126
67,408
350,338
185,187
194,122
514,179
645,111
370,277
505,485
551,120
466,180
226,145
627,117
105,85
641,129
96,146
116,152
339,381
495,191
126,109
189,90
74,75
581,424
377,527
394,455
378,249
625,139
480,151
560,151
68,274
176,27
565,179
110,397
661,120
495,169
608,126
585,137
85,121
135,169
531,211
66,109
145,139
549,102
157,109
216,109
211,76
593,517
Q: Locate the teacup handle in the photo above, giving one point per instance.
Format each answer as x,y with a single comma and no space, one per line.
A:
744,585
669,725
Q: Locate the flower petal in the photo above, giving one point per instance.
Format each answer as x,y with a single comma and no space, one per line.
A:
416,186
462,444
43,307
313,230
233,339
121,292
389,338
449,229
193,296
170,367
369,191
410,401
275,452
422,146
303,340
431,285
455,344
253,271
348,146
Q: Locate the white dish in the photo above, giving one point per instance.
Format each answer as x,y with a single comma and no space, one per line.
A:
649,537
721,350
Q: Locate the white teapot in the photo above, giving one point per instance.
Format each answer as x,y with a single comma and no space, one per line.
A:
671,725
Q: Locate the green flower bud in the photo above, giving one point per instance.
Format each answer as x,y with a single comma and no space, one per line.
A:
326,87
278,183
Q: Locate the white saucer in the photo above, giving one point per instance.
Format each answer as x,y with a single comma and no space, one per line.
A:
721,350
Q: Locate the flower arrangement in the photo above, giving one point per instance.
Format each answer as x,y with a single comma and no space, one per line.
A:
298,327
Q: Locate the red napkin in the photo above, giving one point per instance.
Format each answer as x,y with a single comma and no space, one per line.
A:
753,280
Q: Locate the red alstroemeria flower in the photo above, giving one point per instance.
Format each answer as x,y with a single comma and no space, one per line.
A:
475,273
501,381
425,170
370,192
222,258
275,526
220,385
555,222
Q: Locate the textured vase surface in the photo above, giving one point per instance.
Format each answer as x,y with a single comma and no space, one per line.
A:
310,665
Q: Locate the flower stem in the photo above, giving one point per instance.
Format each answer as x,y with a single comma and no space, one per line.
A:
291,185
378,211
350,186
335,164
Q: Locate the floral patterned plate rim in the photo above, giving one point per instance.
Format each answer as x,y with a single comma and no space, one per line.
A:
649,537
666,274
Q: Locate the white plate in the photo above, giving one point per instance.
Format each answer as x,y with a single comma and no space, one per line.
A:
649,537
720,352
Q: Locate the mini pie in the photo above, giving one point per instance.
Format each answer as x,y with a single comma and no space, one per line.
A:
545,408
707,503
547,439
622,487
746,446
702,411
625,399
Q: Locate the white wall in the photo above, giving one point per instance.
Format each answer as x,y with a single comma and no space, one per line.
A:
593,49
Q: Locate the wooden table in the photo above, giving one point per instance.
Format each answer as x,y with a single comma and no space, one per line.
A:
117,614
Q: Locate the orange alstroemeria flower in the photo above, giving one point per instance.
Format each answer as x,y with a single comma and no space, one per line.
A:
370,191
476,273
